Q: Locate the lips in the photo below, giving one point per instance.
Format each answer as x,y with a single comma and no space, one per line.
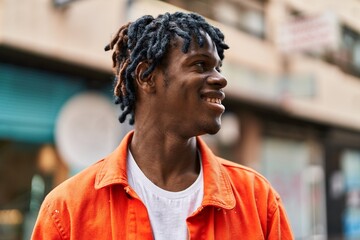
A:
213,96
214,99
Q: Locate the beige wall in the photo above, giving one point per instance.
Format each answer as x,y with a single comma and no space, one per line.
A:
76,33
337,98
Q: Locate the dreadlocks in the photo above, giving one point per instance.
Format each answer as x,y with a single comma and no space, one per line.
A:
148,39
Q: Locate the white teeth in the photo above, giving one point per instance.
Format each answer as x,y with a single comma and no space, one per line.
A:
213,100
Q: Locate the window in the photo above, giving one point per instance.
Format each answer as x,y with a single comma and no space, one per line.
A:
301,186
350,43
245,15
347,56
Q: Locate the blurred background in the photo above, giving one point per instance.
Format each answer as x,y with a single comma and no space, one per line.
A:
292,106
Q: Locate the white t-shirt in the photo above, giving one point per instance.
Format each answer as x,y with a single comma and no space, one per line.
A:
167,210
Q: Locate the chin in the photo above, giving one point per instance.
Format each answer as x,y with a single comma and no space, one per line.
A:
213,131
213,128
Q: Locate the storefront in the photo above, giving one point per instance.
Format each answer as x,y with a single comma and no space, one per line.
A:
343,181
36,101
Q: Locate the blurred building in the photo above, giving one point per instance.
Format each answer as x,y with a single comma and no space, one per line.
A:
292,106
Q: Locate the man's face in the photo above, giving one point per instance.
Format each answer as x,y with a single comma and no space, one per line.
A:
192,90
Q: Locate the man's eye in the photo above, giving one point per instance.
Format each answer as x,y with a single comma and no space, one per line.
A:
200,66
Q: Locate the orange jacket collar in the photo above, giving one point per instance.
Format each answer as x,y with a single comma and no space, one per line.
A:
217,185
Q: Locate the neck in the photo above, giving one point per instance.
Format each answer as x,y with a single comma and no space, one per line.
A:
169,161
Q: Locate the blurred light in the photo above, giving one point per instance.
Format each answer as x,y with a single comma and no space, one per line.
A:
47,159
337,185
314,174
10,217
229,132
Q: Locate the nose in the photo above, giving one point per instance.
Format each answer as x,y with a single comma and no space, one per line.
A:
217,79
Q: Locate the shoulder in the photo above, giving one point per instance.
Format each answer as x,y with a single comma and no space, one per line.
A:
246,178
75,188
252,187
69,204
74,198
240,170
256,194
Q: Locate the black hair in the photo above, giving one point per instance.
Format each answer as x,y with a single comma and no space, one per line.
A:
147,39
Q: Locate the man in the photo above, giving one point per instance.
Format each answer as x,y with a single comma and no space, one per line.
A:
163,182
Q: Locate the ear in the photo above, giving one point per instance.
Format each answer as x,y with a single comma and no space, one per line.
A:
147,84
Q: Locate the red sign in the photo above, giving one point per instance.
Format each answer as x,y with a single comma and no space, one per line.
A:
309,33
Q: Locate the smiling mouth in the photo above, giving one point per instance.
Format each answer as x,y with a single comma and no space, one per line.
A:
213,100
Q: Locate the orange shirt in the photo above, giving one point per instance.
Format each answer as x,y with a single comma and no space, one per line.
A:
98,203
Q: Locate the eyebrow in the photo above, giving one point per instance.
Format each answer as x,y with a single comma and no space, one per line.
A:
194,55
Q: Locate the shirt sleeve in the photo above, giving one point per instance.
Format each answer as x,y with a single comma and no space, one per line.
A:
278,223
45,228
